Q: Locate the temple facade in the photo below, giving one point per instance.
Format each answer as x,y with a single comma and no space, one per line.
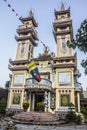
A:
58,71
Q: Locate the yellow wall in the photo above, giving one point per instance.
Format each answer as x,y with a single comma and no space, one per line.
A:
64,89
59,47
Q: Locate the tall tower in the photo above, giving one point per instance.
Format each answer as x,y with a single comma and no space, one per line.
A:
65,64
27,39
63,31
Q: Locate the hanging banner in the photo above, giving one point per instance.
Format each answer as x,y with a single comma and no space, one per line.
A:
34,70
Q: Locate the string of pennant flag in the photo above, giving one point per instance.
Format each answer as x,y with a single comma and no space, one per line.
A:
31,65
32,68
12,9
17,14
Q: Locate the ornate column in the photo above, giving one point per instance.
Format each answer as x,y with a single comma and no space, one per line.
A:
29,100
25,96
78,101
48,100
33,101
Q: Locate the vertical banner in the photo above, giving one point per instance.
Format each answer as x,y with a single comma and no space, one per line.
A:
34,70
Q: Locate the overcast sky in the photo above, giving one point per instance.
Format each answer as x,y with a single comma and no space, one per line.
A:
44,15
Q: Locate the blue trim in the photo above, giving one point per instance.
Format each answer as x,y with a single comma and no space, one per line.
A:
43,81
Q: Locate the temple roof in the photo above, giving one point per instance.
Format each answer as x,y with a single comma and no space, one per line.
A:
45,55
27,38
62,11
17,62
30,17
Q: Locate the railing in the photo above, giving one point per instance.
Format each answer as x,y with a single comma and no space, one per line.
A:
59,20
24,26
63,31
43,81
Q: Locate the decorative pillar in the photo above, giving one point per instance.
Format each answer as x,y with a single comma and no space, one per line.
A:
25,96
33,101
78,101
48,100
29,100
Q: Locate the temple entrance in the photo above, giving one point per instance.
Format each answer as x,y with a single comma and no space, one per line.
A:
38,98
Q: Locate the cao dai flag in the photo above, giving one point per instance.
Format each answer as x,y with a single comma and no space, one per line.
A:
34,70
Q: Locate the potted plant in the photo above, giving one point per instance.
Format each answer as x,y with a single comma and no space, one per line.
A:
25,105
40,106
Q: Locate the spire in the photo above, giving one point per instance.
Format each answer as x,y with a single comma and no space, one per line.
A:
31,13
62,7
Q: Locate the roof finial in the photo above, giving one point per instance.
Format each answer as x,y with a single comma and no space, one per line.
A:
31,13
62,7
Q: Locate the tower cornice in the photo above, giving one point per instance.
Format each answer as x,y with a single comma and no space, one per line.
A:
26,38
27,19
17,62
62,12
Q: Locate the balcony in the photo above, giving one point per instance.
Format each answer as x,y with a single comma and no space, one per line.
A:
44,84
62,20
24,26
63,32
26,29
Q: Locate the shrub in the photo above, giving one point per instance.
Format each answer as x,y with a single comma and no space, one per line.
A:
10,113
84,112
72,117
3,104
25,105
78,119
40,106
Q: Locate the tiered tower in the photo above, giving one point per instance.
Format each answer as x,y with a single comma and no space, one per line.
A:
65,64
27,39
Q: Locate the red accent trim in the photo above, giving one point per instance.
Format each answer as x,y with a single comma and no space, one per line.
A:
37,77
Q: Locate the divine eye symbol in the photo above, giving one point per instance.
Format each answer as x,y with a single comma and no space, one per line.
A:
22,52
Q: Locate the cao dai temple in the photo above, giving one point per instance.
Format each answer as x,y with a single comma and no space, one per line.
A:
59,74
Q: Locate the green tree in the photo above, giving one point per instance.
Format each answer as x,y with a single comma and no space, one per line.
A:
7,84
80,42
84,112
3,104
71,116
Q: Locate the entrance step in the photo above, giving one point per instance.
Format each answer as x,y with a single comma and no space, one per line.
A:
35,117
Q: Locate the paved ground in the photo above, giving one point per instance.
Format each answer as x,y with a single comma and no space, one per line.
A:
38,127
34,127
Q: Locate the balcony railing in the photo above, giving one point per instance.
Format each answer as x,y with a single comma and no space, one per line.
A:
24,26
59,20
43,81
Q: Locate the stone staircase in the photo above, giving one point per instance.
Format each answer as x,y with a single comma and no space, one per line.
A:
35,117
